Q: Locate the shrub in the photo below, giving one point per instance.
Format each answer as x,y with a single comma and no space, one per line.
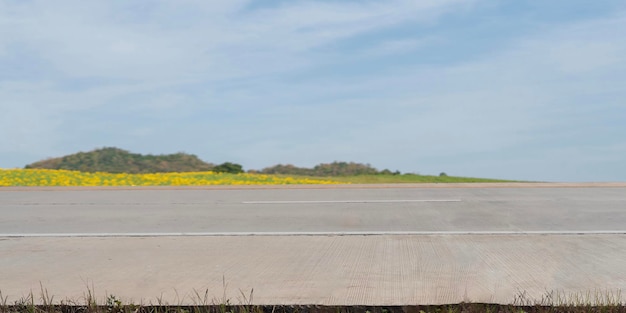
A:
228,167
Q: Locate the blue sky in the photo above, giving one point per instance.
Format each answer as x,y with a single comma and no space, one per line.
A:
529,90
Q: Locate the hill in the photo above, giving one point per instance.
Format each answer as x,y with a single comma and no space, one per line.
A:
325,169
114,160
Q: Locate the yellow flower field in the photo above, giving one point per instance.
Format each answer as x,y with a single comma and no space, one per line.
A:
41,177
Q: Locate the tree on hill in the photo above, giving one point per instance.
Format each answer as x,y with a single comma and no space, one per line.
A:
324,169
287,169
228,167
344,169
114,160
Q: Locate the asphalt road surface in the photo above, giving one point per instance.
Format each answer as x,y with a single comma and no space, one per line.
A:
378,245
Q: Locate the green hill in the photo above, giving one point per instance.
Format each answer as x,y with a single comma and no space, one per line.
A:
114,160
325,169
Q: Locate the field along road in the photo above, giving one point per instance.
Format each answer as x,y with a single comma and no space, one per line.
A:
343,245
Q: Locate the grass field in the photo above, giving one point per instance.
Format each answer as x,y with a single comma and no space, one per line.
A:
406,178
42,177
580,303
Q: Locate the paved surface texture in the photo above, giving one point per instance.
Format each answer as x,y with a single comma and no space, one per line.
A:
166,211
568,239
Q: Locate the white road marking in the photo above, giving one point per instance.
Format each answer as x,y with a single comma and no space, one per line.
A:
322,233
349,201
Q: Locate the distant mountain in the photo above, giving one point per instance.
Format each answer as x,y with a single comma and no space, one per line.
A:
114,160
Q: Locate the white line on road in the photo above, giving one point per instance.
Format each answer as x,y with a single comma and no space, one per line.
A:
244,202
322,233
349,201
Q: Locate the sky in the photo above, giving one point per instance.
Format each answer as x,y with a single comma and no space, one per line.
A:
522,90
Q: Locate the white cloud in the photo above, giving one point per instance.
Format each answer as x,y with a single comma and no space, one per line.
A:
86,39
516,111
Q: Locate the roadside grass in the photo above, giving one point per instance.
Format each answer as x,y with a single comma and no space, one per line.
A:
605,302
403,178
42,178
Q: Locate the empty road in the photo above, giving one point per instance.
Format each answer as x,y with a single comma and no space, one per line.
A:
339,245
